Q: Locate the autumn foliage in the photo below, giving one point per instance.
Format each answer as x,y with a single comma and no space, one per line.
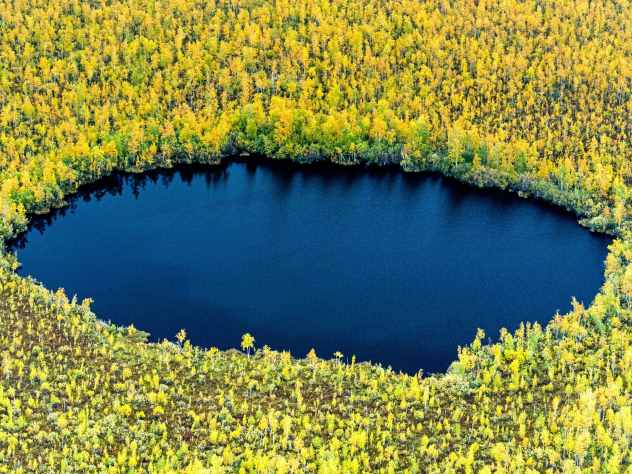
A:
532,96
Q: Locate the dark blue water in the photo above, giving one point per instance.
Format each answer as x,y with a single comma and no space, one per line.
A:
395,268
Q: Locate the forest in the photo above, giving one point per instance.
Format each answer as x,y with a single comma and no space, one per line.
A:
531,96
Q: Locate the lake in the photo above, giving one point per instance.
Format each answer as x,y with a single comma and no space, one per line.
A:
392,267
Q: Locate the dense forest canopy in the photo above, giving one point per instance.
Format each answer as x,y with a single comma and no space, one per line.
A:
533,96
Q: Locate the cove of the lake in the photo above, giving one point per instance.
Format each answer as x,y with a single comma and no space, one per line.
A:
396,268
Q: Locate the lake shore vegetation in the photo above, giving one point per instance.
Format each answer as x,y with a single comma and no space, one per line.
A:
532,96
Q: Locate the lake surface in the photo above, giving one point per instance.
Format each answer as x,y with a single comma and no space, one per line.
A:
395,268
